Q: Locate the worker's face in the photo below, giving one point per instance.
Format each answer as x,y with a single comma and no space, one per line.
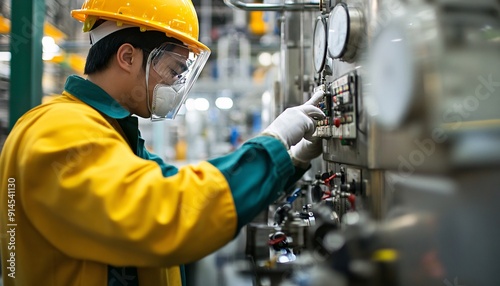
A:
167,70
166,67
171,71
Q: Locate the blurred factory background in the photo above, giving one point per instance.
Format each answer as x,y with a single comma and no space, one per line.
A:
407,188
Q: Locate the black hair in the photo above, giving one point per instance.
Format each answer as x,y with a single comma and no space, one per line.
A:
100,53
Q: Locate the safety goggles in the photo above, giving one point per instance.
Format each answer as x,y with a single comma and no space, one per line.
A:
177,67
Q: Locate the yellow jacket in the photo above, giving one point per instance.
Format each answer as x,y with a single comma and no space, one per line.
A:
81,193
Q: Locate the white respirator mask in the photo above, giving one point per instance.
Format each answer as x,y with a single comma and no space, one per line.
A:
178,66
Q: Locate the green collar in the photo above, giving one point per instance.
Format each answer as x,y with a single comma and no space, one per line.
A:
95,96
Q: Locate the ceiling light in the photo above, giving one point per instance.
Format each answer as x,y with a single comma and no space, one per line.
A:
224,102
201,104
265,59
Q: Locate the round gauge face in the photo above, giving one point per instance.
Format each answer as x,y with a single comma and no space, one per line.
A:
392,72
338,30
319,44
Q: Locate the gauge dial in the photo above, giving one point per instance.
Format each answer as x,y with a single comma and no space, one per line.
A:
338,30
392,71
319,44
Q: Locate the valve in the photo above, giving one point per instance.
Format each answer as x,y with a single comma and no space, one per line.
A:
278,241
307,214
352,200
281,213
331,177
316,189
294,195
353,187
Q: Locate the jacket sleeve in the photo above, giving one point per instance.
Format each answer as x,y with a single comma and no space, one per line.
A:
257,173
167,170
92,198
251,193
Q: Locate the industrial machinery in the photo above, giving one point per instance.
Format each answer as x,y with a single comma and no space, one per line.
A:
407,187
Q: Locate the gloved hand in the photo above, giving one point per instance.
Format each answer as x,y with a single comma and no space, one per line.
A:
305,151
297,122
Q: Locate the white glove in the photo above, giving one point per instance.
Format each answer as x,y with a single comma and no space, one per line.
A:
305,151
316,97
296,122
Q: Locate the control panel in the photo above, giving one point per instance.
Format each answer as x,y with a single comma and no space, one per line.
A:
339,105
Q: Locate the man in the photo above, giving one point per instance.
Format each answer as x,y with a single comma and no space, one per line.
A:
87,204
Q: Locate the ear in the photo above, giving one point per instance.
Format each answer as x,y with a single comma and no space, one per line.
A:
127,56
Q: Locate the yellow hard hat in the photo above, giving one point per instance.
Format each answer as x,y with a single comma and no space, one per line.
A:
177,18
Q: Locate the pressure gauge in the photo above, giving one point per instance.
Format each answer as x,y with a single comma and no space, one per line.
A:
319,44
345,28
338,30
393,72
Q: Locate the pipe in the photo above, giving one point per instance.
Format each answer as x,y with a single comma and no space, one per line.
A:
272,7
